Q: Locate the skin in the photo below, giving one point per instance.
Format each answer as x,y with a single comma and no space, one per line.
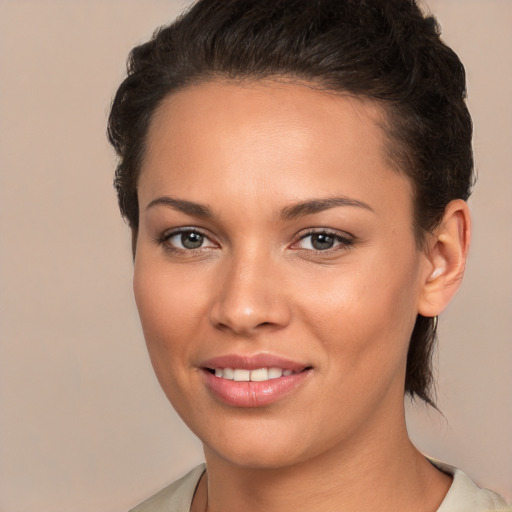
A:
249,152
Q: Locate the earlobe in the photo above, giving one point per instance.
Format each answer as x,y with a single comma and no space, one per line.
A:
447,253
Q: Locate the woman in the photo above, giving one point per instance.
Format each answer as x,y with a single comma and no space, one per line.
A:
295,175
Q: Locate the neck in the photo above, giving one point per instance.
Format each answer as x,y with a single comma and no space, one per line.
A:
372,467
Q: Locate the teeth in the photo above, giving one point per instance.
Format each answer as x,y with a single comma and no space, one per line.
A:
259,375
242,375
228,373
275,373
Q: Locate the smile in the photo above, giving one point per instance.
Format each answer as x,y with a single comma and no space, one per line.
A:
253,381
258,375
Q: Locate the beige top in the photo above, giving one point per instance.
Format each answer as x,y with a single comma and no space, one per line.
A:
463,496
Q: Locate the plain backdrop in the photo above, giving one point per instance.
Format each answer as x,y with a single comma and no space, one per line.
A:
84,425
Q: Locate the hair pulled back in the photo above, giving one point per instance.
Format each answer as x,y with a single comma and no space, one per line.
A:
383,50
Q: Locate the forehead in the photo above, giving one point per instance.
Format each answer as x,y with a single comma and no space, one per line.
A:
268,136
275,107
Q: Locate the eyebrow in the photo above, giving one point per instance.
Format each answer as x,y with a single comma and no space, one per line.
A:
293,211
188,207
318,205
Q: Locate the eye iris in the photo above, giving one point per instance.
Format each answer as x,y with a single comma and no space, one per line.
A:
321,241
192,240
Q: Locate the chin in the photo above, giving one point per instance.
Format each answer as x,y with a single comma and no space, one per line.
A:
257,444
254,456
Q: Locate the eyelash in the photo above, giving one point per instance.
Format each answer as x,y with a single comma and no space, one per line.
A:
165,237
342,242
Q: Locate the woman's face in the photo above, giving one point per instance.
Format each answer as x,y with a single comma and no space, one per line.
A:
276,245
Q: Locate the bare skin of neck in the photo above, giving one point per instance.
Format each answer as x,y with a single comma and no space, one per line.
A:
385,471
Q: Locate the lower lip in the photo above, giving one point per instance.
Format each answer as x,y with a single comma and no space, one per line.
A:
253,394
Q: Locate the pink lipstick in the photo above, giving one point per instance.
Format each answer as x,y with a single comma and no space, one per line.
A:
252,381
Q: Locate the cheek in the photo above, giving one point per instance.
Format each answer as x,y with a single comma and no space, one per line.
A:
155,304
167,317
169,300
365,316
168,324
390,317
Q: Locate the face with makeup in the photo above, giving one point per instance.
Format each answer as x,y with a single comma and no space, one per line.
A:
277,273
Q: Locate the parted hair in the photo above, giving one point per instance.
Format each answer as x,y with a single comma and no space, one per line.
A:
387,51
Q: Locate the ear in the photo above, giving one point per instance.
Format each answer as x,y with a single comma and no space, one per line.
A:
446,259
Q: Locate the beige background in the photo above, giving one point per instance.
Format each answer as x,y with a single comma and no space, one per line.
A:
84,426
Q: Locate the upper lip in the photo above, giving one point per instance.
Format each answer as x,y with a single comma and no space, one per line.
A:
253,362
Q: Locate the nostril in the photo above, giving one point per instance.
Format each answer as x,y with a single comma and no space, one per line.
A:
247,312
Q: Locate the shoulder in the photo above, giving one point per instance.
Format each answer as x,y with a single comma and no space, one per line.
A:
176,497
465,496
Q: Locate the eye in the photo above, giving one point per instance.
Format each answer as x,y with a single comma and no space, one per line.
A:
186,240
322,241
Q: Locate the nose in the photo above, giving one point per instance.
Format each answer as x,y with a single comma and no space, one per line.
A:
251,296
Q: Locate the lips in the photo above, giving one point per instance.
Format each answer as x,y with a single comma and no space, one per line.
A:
252,381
